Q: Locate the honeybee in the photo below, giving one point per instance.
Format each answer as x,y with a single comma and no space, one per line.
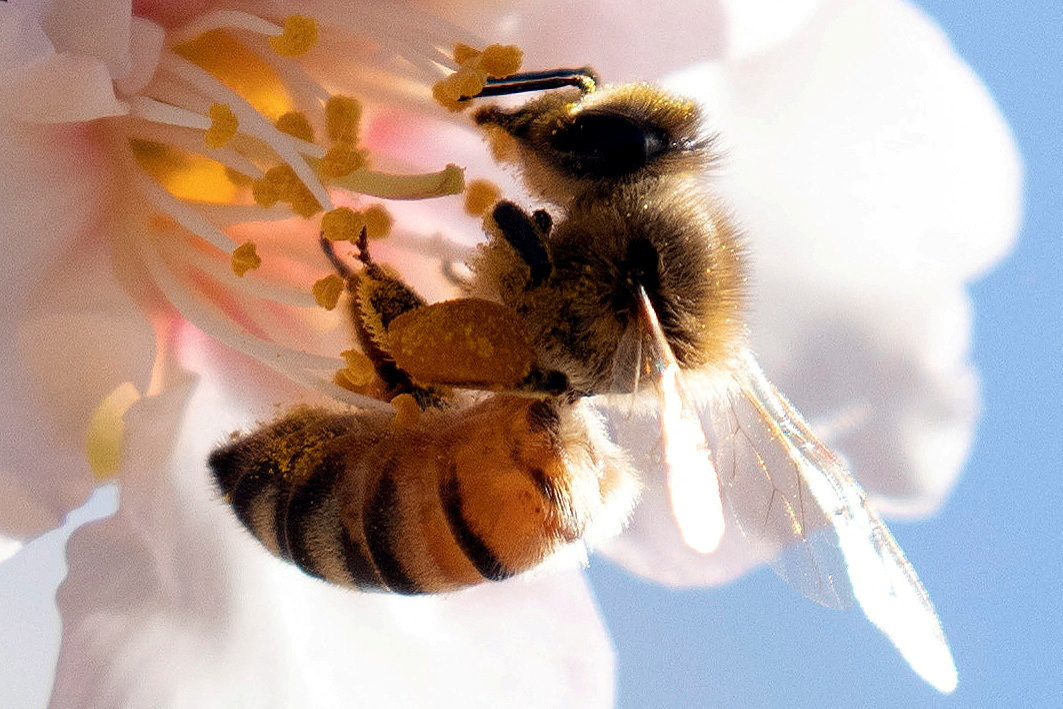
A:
631,284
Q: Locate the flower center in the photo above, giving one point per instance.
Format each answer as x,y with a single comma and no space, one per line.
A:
233,130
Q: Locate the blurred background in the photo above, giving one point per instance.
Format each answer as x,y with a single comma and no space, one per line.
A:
991,559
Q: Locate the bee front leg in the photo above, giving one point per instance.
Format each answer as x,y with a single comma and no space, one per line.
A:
526,234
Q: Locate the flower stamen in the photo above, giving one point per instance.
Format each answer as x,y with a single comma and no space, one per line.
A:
223,125
224,135
300,34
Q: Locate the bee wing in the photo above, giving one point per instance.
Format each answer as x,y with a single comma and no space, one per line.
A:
792,497
693,486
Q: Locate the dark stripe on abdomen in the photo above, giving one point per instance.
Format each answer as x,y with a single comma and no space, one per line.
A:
305,505
359,565
475,549
382,532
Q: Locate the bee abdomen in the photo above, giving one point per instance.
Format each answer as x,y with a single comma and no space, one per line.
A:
478,494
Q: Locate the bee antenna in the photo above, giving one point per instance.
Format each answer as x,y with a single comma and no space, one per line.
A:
584,78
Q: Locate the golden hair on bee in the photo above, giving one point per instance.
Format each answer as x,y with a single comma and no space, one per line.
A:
625,168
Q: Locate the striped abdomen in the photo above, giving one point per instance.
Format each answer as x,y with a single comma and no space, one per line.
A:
463,496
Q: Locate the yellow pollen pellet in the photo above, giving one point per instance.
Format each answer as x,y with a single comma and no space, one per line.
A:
407,412
223,125
360,369
295,123
480,195
342,115
300,34
463,53
327,291
245,258
378,222
500,60
342,224
340,161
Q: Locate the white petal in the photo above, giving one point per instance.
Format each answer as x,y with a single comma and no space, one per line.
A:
62,88
53,195
624,40
171,603
866,149
22,38
97,29
756,25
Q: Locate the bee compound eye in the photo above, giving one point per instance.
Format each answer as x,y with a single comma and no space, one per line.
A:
605,144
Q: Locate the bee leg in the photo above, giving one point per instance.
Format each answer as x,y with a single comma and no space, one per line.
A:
377,298
525,234
329,250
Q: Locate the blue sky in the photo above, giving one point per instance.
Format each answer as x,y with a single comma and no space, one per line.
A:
991,560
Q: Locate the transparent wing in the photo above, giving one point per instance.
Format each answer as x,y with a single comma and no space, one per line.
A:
693,486
796,502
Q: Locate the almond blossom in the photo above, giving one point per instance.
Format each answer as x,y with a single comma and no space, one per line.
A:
869,167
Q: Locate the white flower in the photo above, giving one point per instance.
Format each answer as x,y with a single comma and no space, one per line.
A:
871,171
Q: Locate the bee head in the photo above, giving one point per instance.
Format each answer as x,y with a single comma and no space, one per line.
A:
568,142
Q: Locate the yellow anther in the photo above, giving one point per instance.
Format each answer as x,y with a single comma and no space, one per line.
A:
342,115
463,53
360,369
223,125
342,224
327,291
480,195
468,81
500,60
407,412
340,161
265,193
300,34
446,94
295,123
304,203
281,184
378,222
103,442
245,258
